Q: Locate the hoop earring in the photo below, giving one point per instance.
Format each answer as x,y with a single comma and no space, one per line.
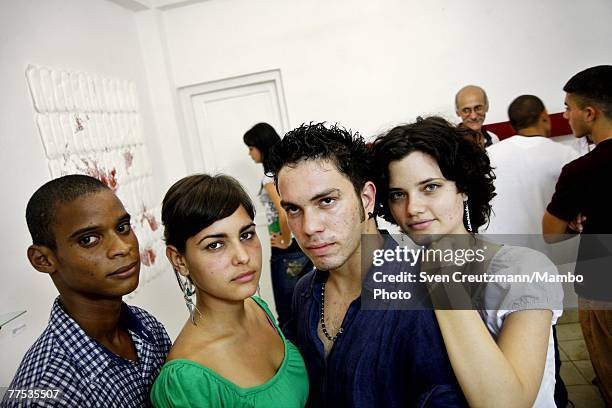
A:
188,289
468,222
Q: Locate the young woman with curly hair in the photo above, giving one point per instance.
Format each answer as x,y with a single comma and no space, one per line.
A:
437,186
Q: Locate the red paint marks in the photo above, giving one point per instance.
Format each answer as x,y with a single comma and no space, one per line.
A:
129,159
147,257
79,124
108,177
148,217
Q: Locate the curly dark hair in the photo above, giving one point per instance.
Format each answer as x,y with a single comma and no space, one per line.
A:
459,159
314,141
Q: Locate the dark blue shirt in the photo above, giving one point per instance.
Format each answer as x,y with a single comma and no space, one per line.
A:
383,358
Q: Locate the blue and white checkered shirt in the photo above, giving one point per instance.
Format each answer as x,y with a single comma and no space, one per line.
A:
86,373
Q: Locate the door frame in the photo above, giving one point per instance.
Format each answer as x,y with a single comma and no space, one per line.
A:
192,148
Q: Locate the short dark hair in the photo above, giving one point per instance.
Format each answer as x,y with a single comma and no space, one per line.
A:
261,136
196,202
525,111
459,159
314,141
42,206
593,86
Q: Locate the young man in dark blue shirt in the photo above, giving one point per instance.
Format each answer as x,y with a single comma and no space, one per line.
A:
96,350
355,357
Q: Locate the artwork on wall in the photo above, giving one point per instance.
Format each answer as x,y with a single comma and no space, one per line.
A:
91,125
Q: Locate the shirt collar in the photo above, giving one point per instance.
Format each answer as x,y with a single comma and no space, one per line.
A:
606,142
90,356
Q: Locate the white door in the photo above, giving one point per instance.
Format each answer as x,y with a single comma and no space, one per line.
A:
217,115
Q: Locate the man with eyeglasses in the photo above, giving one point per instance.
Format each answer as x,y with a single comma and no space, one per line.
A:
472,105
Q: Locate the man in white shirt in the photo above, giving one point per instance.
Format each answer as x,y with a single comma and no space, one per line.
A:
527,167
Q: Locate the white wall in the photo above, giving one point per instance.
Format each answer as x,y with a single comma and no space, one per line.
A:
369,64
84,35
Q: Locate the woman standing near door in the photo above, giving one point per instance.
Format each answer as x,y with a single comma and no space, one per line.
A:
287,260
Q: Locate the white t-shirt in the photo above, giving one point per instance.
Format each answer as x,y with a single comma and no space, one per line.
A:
526,170
501,299
271,213
494,137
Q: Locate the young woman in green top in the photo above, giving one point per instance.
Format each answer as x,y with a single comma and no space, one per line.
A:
230,353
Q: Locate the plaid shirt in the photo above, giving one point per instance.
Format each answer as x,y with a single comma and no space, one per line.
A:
86,373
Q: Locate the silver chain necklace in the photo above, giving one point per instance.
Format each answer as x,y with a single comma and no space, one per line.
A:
323,328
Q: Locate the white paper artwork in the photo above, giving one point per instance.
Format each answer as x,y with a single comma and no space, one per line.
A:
91,125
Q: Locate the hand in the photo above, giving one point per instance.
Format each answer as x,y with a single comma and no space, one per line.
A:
576,224
277,241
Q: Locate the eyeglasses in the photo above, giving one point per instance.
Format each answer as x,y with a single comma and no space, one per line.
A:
479,109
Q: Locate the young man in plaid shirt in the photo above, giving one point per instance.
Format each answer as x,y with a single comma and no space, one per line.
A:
96,350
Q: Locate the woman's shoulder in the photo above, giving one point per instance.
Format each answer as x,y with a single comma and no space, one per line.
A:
262,304
523,282
519,257
267,180
193,342
184,382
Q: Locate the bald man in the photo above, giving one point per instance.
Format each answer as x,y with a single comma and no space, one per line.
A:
472,105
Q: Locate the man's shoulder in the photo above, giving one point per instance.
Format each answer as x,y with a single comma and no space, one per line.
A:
504,149
304,284
529,143
145,317
43,360
151,323
577,167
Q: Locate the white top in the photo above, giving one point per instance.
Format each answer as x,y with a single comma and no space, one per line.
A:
526,170
494,137
501,299
266,200
580,144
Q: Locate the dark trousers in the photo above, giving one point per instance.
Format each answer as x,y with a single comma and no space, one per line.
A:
285,269
560,390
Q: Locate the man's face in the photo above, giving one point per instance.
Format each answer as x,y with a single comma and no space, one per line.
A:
96,250
472,108
576,117
323,212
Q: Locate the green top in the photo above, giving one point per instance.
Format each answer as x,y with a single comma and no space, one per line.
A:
185,383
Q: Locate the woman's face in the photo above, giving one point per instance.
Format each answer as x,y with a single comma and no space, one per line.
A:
421,200
224,259
255,154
